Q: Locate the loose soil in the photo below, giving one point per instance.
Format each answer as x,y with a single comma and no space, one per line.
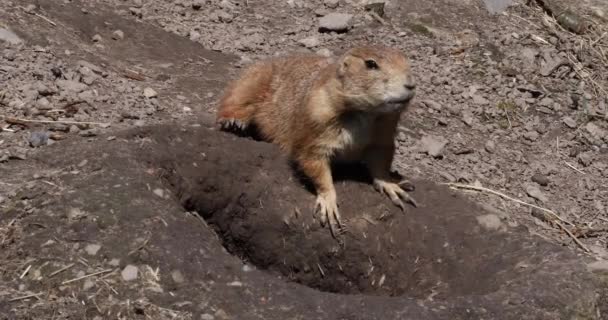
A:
219,226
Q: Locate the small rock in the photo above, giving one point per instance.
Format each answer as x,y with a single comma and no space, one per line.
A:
118,35
129,273
92,249
310,42
177,276
89,133
76,214
490,146
535,193
39,138
197,4
596,266
332,4
432,104
114,262
30,8
18,153
480,100
9,37
88,284
571,123
150,93
490,221
325,52
540,179
531,136
159,192
194,35
96,38
139,123
338,22
72,86
467,118
235,284
207,316
433,145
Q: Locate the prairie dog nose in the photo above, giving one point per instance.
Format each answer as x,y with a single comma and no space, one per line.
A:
410,83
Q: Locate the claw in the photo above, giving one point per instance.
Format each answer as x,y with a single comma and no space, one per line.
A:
327,211
395,193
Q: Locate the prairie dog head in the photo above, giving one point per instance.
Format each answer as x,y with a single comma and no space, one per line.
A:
376,79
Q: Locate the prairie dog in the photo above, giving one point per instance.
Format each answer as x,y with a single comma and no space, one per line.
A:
320,109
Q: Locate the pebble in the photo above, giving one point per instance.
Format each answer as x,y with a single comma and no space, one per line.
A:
596,266
129,273
92,249
531,135
71,85
177,276
207,316
490,221
9,37
150,93
490,146
325,52
338,22
88,284
96,38
332,4
540,179
114,262
197,4
89,133
118,35
39,138
433,145
534,192
310,42
571,123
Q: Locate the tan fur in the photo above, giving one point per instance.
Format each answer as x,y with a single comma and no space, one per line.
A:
322,109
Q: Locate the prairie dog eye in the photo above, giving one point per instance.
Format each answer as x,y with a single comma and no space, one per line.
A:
371,64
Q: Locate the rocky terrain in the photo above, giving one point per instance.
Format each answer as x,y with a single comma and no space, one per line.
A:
511,106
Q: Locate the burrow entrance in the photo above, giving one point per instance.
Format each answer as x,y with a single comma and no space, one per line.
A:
248,193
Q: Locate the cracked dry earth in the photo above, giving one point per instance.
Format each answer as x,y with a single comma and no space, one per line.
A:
93,220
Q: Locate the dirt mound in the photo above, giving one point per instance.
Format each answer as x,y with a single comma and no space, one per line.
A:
446,260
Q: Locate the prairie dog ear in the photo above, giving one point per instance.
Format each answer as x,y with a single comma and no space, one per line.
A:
345,64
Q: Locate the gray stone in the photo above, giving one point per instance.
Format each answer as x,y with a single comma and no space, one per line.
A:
332,4
150,93
433,145
534,192
39,138
177,276
490,221
338,22
571,123
92,249
118,35
490,146
8,36
541,179
310,42
71,85
129,273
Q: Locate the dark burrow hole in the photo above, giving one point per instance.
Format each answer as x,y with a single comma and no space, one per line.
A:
439,251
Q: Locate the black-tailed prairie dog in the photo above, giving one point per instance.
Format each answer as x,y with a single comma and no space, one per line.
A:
321,109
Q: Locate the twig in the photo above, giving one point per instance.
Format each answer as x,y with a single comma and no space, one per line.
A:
61,270
321,270
573,167
20,121
41,17
562,227
34,295
86,276
140,246
502,195
25,272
